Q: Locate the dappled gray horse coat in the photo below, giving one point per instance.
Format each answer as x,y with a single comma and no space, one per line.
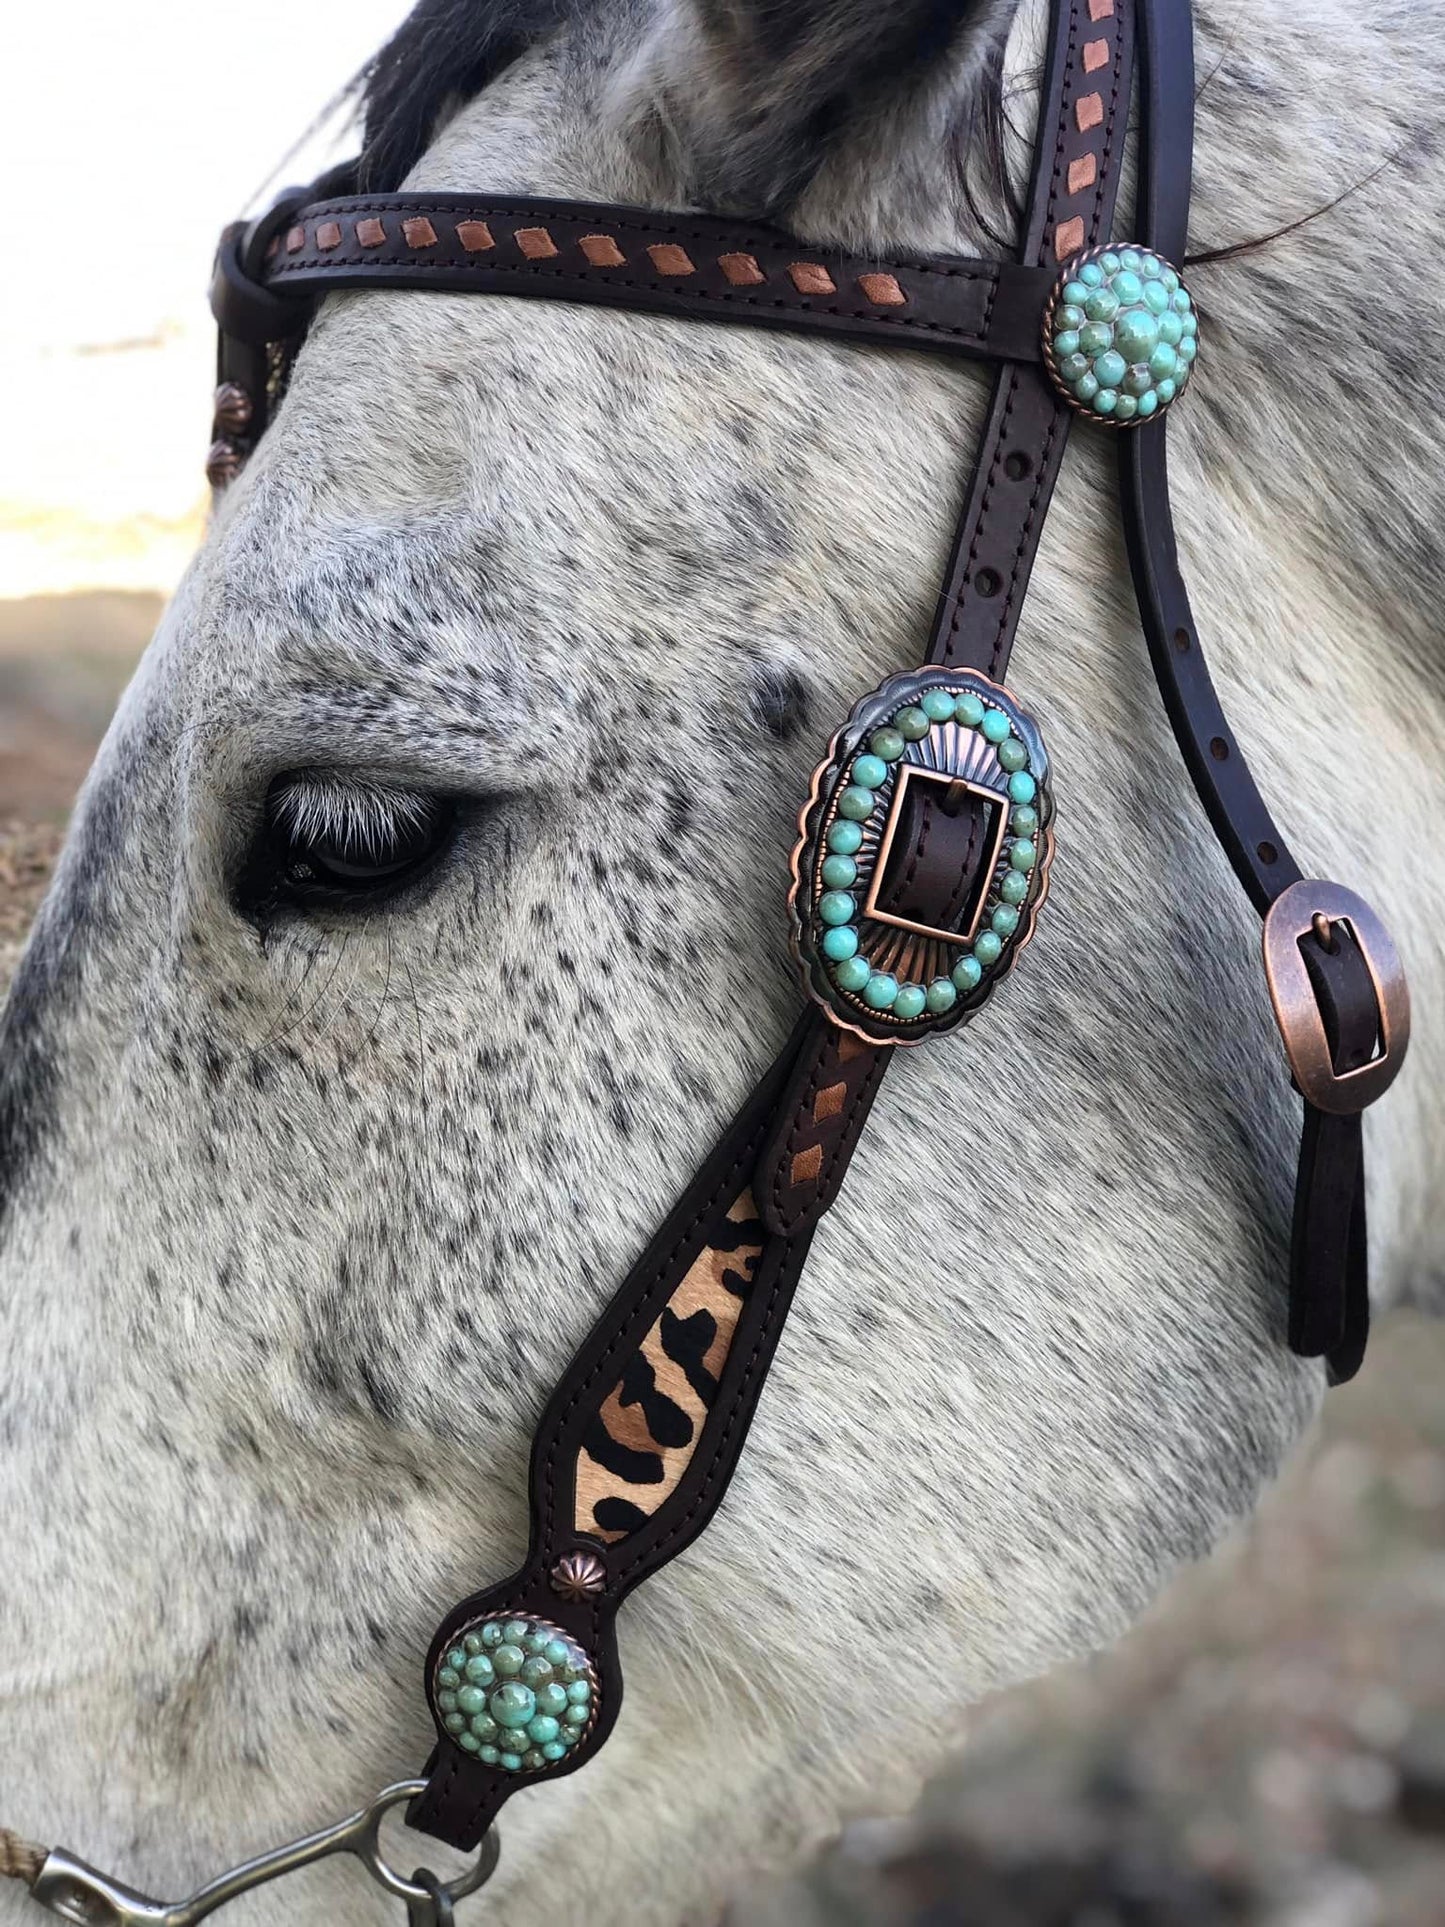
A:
301,1221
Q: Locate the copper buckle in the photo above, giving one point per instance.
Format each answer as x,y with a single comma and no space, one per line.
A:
1295,914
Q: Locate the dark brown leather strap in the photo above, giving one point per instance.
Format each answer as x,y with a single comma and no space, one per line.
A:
692,265
1083,115
1329,1292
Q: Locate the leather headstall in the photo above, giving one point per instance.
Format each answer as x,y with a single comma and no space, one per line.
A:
925,844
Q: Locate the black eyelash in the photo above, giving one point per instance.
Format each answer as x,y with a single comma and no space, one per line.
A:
342,842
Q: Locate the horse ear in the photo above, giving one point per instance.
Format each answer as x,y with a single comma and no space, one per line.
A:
444,51
768,88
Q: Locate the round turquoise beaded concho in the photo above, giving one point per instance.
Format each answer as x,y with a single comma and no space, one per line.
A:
889,977
1120,335
517,1694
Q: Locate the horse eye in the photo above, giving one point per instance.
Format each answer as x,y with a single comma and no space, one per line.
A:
345,839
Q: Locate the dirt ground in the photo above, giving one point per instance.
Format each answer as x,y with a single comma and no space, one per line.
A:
1266,1750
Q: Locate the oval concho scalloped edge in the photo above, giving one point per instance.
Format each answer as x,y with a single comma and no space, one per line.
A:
843,940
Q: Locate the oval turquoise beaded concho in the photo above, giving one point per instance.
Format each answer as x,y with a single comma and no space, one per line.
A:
1120,335
518,1694
889,977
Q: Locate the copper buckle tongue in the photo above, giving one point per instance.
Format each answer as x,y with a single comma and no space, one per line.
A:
1312,908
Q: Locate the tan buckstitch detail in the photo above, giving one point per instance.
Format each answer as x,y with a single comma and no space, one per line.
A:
811,277
883,290
535,242
669,258
475,236
1082,173
419,232
741,270
829,1102
370,234
296,240
850,1046
1096,55
602,251
328,236
1068,238
1089,112
806,1165
1101,9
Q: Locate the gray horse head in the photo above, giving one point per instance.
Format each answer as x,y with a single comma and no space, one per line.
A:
422,922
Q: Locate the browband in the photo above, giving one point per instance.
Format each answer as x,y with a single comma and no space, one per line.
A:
925,844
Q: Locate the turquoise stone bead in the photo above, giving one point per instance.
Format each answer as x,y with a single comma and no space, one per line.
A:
1190,325
1180,301
911,1002
1163,361
512,1705
1021,787
1076,293
941,995
1023,853
1126,408
1110,262
841,942
455,1723
887,743
446,1698
469,1742
880,991
995,726
534,1759
1130,258
1171,329
1096,338
1156,297
510,1762
1013,886
1128,287
1149,403
473,1643
552,1699
557,1651
577,1715
967,974
554,1750
543,1728
484,1726
516,1631
449,1677
1066,342
1102,304
1106,401
534,1642
1186,350
1069,314
471,1699
845,838
1073,368
1166,392
1012,753
839,872
509,1659
852,973
480,1670
834,906
869,772
937,705
538,1669
855,805
1170,279
1005,920
912,723
489,1756
1087,386
987,947
1023,820
1111,369
491,1634
1091,274
1139,381
969,710
579,1692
